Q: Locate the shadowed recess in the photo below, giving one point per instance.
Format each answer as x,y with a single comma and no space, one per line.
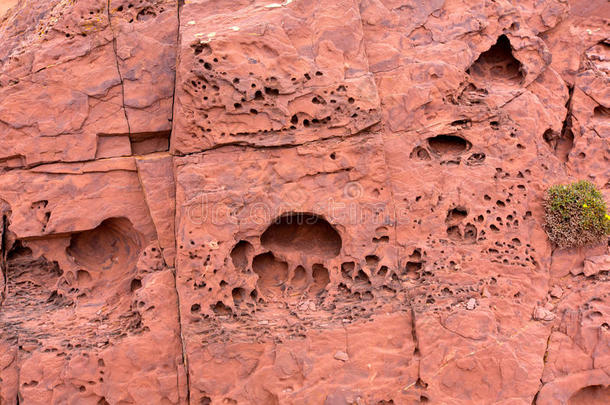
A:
240,254
113,244
272,274
448,144
303,233
497,64
591,395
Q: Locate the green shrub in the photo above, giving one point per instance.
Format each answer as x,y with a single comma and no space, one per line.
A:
576,215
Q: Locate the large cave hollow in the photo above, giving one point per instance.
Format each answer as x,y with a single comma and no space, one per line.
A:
302,233
498,64
113,245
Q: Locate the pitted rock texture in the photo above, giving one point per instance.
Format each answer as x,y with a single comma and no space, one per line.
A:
300,202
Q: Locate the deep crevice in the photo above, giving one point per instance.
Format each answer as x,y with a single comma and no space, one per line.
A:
562,143
244,144
566,140
544,359
3,256
416,351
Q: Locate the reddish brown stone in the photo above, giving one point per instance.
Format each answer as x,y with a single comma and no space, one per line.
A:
300,202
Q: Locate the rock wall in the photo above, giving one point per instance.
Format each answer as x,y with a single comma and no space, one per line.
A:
306,202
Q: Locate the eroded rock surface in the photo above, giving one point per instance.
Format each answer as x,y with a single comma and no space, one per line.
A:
300,202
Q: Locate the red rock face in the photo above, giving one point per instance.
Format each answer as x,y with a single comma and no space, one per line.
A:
301,202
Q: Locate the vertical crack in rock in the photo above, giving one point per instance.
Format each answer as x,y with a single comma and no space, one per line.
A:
182,343
118,68
414,333
544,357
179,4
185,362
416,352
566,140
3,254
18,384
562,143
381,139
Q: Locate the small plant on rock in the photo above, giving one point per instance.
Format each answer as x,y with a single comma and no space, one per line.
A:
576,215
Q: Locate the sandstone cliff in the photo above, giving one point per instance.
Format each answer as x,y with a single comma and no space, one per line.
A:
300,202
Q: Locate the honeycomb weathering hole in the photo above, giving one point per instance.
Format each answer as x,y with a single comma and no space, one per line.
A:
240,254
448,144
321,278
456,215
299,279
113,244
302,233
497,63
272,274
